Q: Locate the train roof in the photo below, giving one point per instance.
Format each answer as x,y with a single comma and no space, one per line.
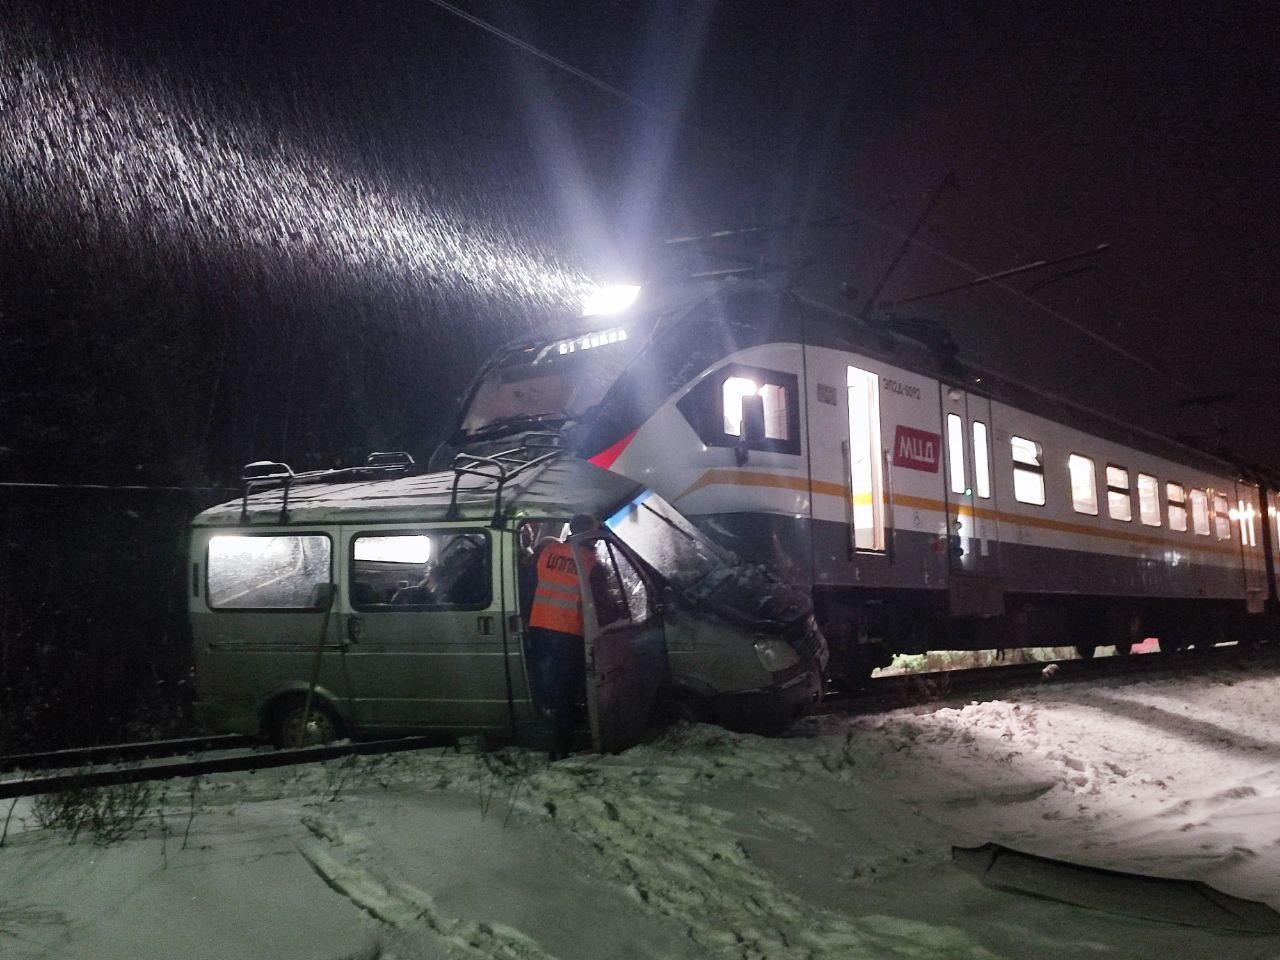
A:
559,488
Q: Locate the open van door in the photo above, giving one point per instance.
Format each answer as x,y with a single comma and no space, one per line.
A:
626,651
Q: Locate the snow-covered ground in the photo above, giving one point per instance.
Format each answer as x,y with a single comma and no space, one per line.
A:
831,843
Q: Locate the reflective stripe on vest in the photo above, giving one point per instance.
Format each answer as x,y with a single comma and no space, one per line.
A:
557,601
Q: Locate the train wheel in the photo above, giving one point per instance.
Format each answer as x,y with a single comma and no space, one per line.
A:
1085,651
1124,649
288,732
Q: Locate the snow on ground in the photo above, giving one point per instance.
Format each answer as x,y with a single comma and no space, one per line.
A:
833,842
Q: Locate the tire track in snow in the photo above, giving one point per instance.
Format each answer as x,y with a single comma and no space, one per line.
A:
678,858
411,913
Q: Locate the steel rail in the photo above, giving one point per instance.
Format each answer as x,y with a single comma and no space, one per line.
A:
913,689
118,752
114,776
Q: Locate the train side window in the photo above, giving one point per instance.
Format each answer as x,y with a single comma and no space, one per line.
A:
955,453
1028,471
714,408
1149,500
1176,494
1119,502
267,571
412,571
774,400
1199,512
866,462
1221,516
981,460
1245,514
1084,484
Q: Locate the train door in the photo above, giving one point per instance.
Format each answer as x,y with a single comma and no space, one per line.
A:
865,462
973,543
425,641
626,654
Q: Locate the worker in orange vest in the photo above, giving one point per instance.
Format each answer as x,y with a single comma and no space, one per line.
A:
556,646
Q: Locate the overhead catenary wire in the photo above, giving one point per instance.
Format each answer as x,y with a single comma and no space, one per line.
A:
858,213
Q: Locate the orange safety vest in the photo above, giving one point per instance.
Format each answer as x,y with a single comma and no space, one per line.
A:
557,601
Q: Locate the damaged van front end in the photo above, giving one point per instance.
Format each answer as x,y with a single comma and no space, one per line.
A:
744,648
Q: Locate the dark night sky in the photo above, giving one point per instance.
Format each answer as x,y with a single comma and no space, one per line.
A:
245,230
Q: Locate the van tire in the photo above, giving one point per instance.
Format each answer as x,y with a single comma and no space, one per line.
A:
684,707
284,726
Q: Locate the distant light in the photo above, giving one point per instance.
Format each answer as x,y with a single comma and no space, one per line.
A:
611,299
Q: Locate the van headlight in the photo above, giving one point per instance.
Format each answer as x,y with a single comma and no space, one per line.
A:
775,654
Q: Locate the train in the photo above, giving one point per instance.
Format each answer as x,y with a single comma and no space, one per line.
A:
922,502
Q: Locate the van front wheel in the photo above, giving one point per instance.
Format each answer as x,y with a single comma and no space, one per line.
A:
289,733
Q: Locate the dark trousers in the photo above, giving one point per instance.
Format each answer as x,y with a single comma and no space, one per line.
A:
559,676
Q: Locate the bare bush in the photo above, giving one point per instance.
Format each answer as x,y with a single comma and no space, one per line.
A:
104,814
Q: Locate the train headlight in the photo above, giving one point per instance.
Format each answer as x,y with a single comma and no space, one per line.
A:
775,654
609,299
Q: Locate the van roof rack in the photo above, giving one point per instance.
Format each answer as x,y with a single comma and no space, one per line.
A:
535,450
264,475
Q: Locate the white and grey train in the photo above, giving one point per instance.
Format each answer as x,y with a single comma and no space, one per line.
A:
924,505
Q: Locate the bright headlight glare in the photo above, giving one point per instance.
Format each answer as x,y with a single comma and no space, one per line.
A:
775,654
609,299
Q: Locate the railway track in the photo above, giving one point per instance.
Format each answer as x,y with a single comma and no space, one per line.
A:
913,689
168,759
163,769
121,752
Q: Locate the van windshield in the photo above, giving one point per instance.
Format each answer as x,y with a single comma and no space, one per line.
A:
558,380
665,540
745,593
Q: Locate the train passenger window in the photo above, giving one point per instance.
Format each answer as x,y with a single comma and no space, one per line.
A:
1176,494
1221,517
1028,471
1199,512
267,572
1149,500
412,571
981,460
1119,503
1084,484
955,453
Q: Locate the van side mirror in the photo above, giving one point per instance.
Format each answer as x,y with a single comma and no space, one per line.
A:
323,595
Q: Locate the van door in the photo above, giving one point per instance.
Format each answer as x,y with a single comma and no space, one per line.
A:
974,582
426,643
626,653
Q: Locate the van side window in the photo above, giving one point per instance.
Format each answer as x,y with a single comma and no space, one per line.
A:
419,570
716,408
1149,500
267,571
1176,494
618,591
1119,503
1084,484
1028,471
1199,512
1221,517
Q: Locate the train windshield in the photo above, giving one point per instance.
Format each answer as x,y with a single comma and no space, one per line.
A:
556,381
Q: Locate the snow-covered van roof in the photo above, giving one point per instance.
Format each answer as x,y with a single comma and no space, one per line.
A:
561,487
